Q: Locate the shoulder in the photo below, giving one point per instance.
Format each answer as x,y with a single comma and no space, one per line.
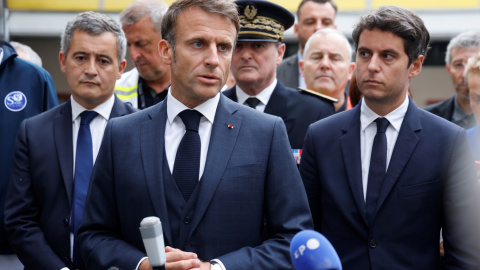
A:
308,92
440,106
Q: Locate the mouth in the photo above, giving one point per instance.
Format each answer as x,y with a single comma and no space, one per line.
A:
375,82
208,78
90,82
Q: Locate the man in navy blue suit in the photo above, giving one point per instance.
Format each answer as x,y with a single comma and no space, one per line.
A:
256,56
38,211
384,177
242,202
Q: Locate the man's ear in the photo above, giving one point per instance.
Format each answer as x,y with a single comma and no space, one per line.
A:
280,53
415,67
166,51
62,58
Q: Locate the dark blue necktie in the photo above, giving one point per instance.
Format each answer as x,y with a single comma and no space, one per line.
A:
83,171
187,161
378,167
252,102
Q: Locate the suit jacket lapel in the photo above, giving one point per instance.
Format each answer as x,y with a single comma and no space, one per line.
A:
222,142
118,108
278,105
62,132
406,142
153,131
350,145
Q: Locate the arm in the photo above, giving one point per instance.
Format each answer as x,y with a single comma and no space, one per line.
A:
285,210
461,203
22,213
309,174
100,239
50,95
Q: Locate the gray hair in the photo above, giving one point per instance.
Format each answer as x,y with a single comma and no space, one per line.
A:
324,32
29,54
155,9
94,23
470,39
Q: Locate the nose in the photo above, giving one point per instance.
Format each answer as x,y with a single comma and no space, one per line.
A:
319,25
90,68
373,65
211,58
134,52
325,62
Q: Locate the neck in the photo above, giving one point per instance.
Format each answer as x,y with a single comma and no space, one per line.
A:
158,85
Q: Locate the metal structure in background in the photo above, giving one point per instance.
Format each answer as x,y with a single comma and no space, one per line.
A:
4,32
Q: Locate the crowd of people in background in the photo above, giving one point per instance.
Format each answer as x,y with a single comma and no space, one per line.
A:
235,147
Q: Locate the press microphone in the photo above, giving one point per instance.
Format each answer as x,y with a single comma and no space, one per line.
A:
152,236
310,250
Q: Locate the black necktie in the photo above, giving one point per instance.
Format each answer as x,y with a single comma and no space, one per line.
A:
252,102
83,171
187,161
378,167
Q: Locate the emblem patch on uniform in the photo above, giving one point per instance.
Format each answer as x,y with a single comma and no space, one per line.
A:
15,101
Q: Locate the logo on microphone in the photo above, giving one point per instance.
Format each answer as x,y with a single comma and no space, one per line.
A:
311,244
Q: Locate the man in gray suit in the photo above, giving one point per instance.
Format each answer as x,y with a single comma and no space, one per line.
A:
312,15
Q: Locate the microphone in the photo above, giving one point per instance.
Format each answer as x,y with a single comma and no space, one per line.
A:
310,250
152,236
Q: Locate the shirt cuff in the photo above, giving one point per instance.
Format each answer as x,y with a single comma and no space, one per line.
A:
217,265
143,259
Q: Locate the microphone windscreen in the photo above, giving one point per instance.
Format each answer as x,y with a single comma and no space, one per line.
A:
310,250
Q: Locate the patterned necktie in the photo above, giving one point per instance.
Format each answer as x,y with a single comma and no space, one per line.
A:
252,102
378,167
83,171
187,161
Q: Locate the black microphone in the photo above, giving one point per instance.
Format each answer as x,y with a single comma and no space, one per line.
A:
152,236
310,250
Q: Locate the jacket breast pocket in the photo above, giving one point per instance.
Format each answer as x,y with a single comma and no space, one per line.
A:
418,189
242,171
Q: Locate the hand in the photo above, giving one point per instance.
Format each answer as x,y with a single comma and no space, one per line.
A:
442,251
181,260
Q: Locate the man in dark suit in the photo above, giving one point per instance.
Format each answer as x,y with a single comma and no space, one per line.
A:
456,109
43,183
312,15
242,200
254,61
385,176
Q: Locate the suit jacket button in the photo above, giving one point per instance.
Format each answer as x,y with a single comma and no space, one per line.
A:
373,243
65,221
187,220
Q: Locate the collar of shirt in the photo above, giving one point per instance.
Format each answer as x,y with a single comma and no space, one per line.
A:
1,55
263,96
103,109
207,108
395,117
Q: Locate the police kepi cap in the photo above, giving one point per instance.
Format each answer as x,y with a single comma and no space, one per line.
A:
262,20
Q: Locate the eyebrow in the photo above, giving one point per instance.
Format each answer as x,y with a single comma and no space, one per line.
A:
86,53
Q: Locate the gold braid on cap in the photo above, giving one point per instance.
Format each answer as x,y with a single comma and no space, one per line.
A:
262,23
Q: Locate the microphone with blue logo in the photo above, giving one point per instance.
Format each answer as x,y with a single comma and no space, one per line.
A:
310,250
152,236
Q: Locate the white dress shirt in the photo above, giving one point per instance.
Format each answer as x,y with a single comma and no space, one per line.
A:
368,130
97,128
263,96
175,129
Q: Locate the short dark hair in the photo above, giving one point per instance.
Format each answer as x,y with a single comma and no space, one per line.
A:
222,8
94,23
401,22
334,5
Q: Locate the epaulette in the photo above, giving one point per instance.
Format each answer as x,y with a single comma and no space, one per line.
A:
328,98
